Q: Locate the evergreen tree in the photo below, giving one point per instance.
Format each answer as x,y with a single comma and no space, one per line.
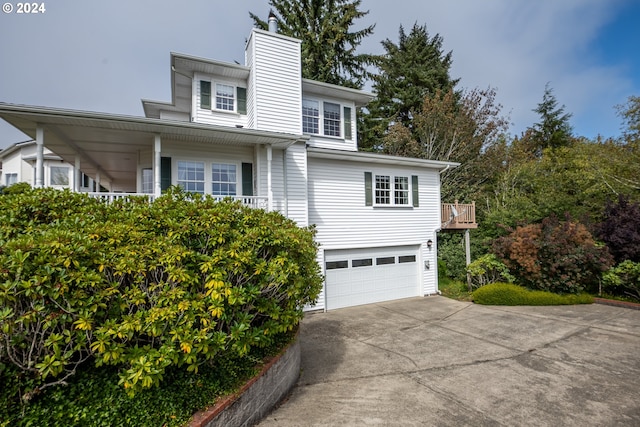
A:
414,68
554,129
328,45
630,114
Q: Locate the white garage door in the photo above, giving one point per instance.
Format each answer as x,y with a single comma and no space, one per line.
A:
365,276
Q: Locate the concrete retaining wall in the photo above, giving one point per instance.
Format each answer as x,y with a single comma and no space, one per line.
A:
257,397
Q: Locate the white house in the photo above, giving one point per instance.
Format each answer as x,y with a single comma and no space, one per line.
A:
262,133
18,165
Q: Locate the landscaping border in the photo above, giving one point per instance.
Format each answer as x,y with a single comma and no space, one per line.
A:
258,396
616,303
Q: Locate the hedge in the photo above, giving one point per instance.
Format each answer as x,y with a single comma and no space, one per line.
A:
144,286
510,294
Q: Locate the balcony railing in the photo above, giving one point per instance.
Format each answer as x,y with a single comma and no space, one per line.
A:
459,216
255,202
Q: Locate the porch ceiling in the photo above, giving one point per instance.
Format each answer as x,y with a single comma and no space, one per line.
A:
111,143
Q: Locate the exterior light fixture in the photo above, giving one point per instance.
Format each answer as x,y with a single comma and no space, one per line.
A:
429,243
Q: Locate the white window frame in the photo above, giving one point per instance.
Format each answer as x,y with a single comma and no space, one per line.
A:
313,119
208,174
215,96
10,178
195,179
51,176
236,183
321,120
394,192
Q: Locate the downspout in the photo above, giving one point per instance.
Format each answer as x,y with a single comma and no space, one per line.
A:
286,184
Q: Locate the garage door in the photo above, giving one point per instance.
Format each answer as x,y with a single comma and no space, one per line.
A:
364,276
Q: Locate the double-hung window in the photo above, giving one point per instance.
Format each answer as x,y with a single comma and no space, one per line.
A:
391,190
332,123
225,97
223,179
310,116
332,119
191,176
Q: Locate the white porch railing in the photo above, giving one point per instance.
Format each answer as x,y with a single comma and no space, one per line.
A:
255,202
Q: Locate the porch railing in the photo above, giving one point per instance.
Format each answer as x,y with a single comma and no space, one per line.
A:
459,216
255,202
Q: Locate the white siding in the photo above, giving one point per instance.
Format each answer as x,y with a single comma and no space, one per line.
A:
174,115
277,178
213,116
335,143
276,82
337,208
296,179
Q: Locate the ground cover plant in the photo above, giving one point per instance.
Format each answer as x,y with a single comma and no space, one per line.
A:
145,288
511,294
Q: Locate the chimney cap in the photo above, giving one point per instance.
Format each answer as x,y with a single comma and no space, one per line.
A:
273,22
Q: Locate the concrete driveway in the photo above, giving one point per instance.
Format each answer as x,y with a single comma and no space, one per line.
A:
438,362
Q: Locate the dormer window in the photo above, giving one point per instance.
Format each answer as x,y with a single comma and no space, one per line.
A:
224,97
336,119
227,97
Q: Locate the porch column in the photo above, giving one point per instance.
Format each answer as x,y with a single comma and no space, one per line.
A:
157,151
39,157
76,175
98,181
269,188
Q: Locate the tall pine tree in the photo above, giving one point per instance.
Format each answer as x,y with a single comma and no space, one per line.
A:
328,46
414,68
553,130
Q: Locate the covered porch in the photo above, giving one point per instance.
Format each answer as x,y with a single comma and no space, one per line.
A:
125,155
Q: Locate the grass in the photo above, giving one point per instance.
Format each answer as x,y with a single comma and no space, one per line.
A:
454,289
510,294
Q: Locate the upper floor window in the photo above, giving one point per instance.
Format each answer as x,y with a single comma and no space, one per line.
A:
391,190
310,114
333,121
224,97
227,97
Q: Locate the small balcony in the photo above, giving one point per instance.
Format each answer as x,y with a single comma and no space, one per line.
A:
459,216
255,202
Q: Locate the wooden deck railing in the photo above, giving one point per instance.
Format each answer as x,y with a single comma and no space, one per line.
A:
459,216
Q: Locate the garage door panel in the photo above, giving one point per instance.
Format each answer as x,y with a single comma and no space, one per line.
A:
365,276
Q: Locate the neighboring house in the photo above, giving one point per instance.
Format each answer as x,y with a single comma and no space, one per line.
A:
18,165
261,133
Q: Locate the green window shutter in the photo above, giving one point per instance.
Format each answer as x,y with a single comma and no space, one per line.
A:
242,100
368,189
165,173
347,123
247,179
205,94
414,189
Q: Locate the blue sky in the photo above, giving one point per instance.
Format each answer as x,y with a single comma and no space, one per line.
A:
106,56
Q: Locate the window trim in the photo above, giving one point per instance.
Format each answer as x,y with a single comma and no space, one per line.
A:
208,173
51,176
343,121
239,104
374,199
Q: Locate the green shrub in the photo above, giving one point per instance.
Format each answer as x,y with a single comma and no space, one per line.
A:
488,269
556,256
623,279
510,294
182,281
